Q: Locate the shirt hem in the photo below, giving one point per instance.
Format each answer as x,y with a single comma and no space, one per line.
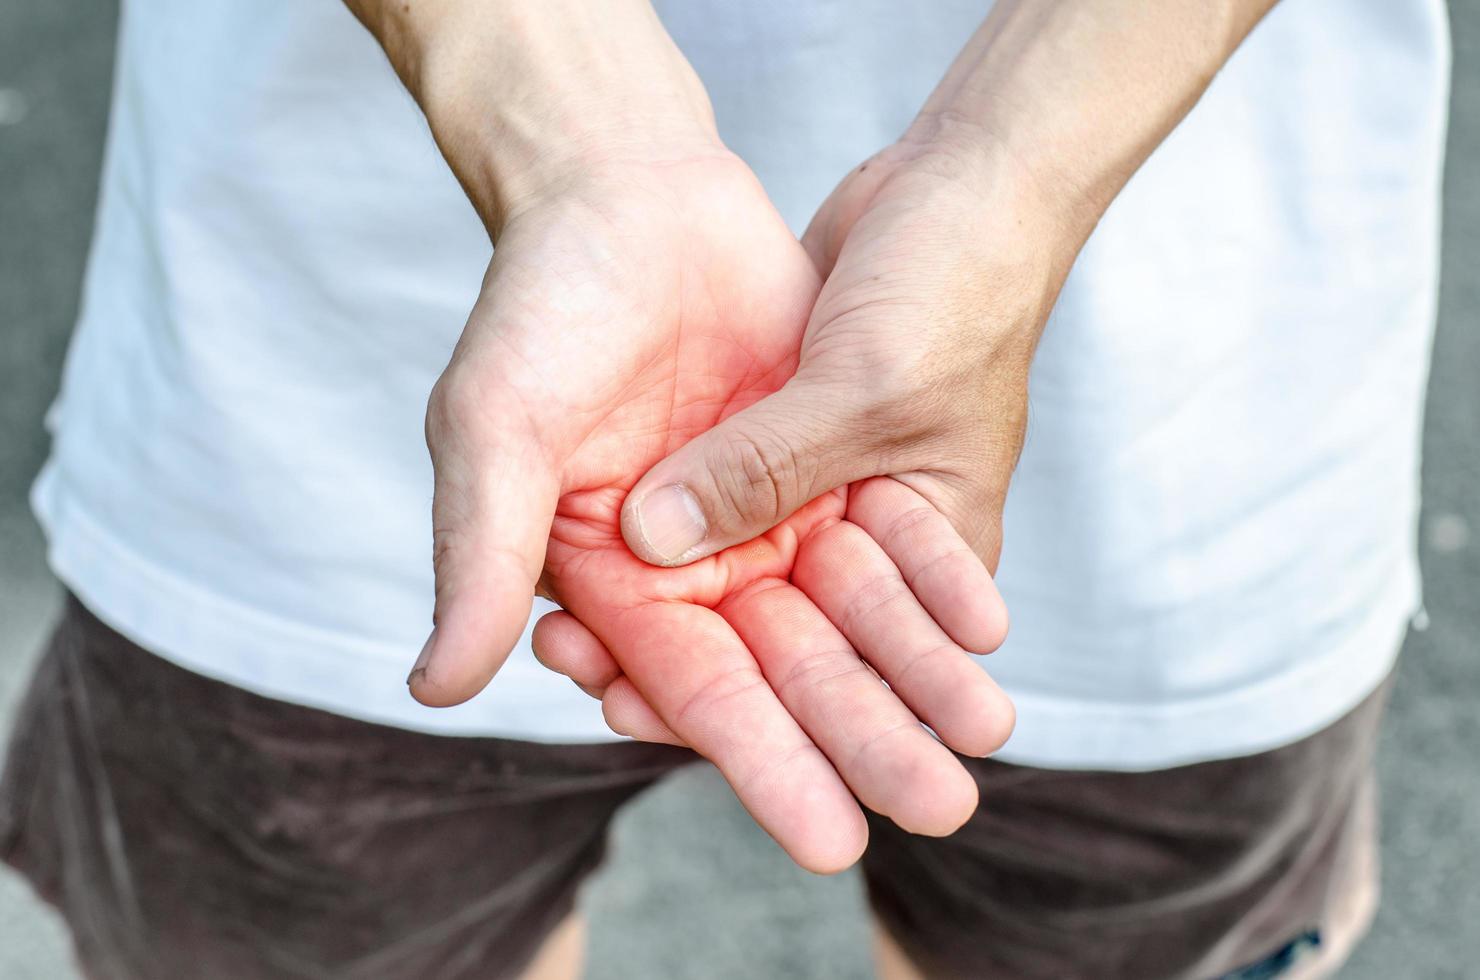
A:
1315,693
248,648
253,650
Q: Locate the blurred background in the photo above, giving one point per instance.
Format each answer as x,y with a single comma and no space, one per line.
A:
693,888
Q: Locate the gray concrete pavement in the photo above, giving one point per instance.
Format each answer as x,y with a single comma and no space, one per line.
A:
694,890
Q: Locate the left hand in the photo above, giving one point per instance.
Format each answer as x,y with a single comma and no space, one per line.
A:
912,383
914,363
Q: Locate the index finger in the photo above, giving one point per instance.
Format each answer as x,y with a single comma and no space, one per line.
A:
941,570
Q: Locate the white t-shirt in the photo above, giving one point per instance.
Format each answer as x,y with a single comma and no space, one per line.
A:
1210,539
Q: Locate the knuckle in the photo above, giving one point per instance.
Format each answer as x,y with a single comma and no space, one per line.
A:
908,525
713,694
453,402
755,779
877,741
818,671
762,480
931,656
950,563
443,543
870,598
444,559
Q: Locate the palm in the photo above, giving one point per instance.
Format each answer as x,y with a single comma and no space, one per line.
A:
607,336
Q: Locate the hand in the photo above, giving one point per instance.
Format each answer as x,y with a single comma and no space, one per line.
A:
617,322
642,290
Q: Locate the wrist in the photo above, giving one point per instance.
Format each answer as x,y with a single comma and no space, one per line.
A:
528,99
1005,223
1030,200
1067,100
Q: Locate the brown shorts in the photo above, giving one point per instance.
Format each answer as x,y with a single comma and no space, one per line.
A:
186,828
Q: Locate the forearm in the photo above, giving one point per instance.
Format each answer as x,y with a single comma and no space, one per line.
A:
1064,100
525,95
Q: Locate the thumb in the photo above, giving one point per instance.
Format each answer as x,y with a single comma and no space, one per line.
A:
746,475
493,504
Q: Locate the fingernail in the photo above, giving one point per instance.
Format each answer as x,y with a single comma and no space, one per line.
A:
670,521
421,659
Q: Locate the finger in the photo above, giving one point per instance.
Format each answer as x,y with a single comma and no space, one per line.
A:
628,713
563,644
493,502
855,584
880,749
707,688
745,475
942,571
